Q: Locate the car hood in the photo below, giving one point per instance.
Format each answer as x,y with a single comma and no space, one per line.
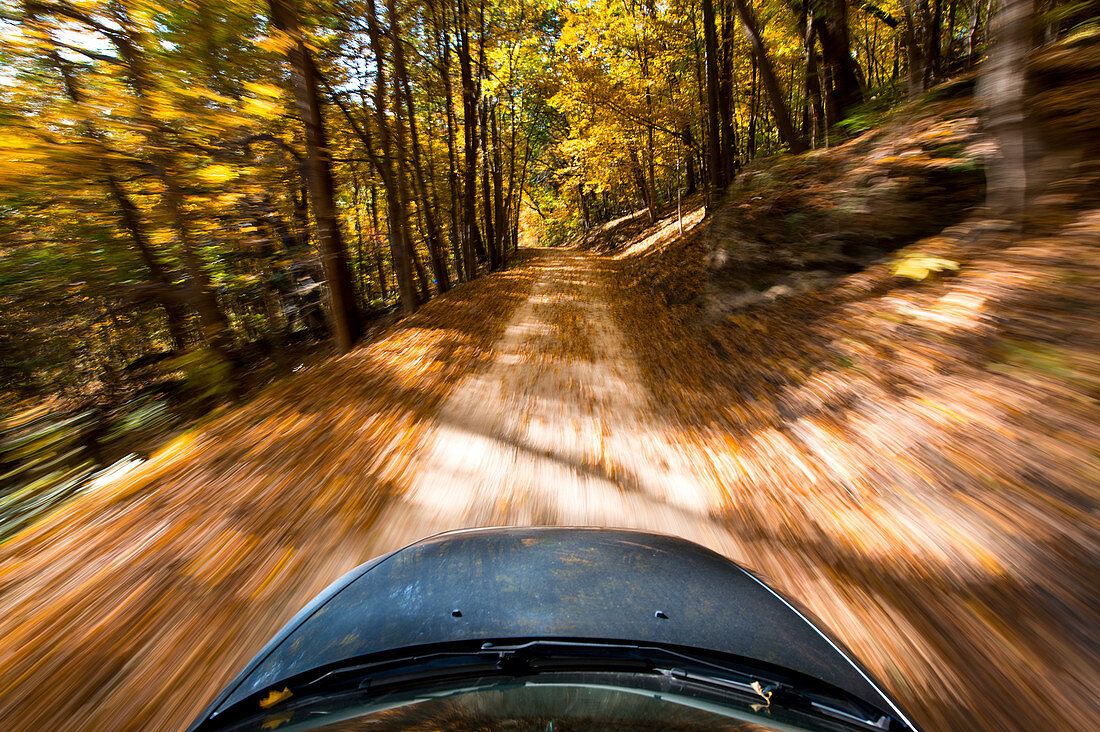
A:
553,583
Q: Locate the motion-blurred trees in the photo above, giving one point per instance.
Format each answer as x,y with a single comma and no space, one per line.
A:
343,308
209,175
231,176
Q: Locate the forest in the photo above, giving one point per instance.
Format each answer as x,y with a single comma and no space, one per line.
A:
220,182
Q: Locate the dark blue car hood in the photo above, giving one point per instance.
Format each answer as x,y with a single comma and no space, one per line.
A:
553,583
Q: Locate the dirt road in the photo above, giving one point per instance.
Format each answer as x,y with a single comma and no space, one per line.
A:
514,401
557,429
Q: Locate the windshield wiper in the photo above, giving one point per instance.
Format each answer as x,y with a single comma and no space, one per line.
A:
786,696
751,689
518,660
759,691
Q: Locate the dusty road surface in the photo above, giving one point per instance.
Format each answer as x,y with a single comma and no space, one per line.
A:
516,400
557,429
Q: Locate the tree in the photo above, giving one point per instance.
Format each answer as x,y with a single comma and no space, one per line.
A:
830,21
392,176
1012,171
776,97
163,291
130,41
714,136
401,82
344,310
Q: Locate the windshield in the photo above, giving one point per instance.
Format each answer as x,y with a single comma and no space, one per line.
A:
542,707
557,703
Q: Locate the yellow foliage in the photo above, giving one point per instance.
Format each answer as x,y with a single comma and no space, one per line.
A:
262,108
919,266
274,697
277,42
217,173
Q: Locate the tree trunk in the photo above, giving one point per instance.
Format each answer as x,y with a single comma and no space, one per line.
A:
650,152
452,159
1002,91
836,53
403,196
498,191
754,98
347,323
510,204
816,107
584,207
643,190
360,265
487,189
215,326
952,10
376,248
401,82
689,144
519,196
701,90
933,51
714,135
469,125
776,97
725,99
176,316
914,55
396,213
418,267
972,31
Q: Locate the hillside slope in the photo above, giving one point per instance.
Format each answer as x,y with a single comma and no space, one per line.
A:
874,370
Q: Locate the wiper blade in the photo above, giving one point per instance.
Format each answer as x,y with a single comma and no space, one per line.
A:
540,655
427,666
756,689
516,661
751,688
785,696
446,673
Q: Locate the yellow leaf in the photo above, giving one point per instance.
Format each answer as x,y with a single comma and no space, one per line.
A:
274,697
276,43
277,720
919,266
